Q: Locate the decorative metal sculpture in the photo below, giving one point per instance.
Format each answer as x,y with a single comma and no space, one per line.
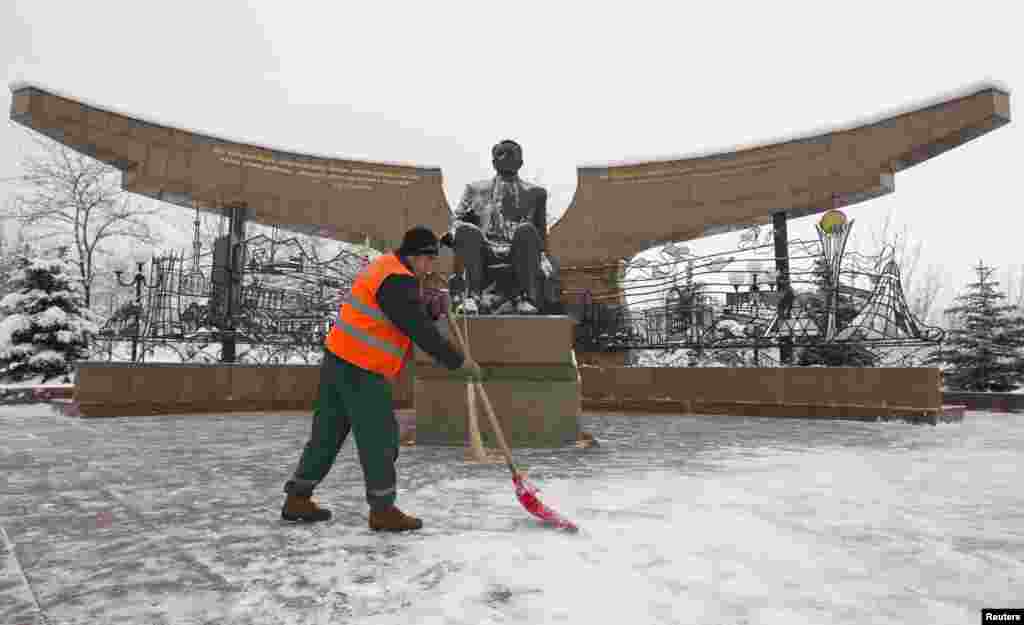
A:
287,296
833,232
695,312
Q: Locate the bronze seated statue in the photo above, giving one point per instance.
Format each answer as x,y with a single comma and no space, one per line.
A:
499,234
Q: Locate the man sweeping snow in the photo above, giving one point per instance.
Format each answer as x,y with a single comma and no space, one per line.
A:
364,354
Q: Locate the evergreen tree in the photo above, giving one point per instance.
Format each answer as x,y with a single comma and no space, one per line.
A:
982,349
44,325
6,265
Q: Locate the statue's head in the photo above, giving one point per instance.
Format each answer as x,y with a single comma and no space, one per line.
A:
507,157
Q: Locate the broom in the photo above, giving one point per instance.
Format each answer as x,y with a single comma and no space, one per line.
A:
526,492
477,453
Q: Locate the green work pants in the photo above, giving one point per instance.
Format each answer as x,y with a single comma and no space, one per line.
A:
351,399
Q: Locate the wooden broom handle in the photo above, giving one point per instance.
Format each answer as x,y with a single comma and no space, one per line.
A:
464,344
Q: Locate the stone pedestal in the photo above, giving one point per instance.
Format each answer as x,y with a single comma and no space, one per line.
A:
531,379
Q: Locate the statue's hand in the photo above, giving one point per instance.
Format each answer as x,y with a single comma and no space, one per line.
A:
470,217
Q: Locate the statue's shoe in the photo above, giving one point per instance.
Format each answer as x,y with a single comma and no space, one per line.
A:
507,307
468,307
519,305
490,301
524,307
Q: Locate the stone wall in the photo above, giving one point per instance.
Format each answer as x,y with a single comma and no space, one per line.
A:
122,389
128,389
838,392
602,359
992,402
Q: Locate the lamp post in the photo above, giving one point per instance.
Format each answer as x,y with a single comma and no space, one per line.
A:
738,279
138,280
756,277
759,276
754,269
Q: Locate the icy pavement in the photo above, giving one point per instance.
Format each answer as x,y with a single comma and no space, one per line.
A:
709,520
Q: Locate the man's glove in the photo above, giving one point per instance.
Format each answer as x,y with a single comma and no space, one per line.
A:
469,366
448,241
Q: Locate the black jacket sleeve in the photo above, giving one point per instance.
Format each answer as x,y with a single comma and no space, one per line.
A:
399,298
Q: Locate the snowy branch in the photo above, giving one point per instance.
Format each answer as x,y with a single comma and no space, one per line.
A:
64,194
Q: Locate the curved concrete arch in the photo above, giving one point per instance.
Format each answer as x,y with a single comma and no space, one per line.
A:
617,210
621,210
339,198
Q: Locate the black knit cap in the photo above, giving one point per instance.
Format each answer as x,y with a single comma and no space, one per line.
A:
419,241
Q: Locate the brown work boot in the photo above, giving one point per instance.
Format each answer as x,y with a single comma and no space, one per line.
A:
299,508
393,520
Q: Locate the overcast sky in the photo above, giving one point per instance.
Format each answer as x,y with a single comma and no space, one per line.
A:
436,84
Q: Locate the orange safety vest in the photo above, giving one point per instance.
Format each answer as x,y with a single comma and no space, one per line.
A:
363,335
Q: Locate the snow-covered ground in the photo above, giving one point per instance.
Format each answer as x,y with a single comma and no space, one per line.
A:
689,520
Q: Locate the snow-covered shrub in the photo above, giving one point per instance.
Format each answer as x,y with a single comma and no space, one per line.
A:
44,326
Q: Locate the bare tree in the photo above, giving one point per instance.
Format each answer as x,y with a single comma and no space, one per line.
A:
923,294
5,255
77,201
921,285
1014,281
906,251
